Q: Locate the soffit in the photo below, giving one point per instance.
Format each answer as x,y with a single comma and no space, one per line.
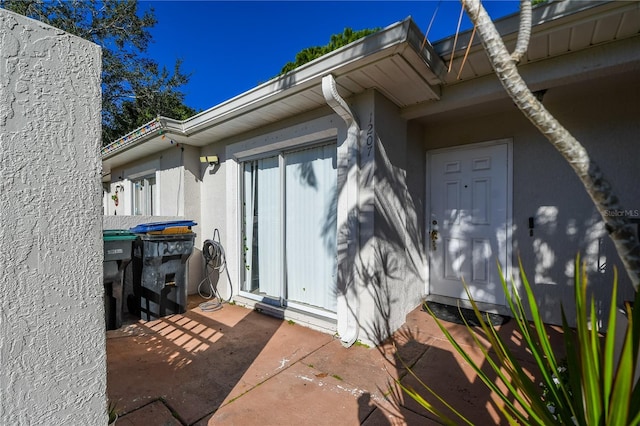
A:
394,62
555,34
385,61
561,30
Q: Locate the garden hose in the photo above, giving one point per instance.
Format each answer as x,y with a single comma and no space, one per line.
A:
214,262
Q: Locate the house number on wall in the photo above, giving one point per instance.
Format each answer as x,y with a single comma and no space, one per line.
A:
370,135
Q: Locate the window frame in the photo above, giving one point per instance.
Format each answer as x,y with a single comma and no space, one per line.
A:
282,300
148,196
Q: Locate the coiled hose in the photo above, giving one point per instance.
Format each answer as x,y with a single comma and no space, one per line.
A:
215,262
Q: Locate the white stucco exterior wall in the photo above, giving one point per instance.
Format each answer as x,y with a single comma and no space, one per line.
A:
602,115
177,171
391,247
52,328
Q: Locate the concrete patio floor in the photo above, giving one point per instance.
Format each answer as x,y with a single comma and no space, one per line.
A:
236,366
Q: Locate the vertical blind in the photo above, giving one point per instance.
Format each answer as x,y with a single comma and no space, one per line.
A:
309,256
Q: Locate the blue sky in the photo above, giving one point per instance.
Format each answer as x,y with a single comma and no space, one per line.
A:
230,47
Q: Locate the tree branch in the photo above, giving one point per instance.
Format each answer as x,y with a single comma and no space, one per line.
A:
524,33
621,230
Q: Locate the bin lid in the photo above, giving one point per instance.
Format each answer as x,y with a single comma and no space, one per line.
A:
167,237
160,226
117,235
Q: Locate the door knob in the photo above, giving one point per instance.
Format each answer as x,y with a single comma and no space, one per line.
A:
434,237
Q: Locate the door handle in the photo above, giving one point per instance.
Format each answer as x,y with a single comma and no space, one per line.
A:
434,237
434,232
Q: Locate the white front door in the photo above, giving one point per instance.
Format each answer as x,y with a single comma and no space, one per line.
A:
469,194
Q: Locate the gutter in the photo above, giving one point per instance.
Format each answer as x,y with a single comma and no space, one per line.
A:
132,138
347,298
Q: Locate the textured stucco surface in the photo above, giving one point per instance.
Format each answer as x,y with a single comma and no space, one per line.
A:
390,244
52,331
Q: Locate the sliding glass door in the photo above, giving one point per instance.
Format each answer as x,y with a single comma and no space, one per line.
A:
310,223
289,228
261,221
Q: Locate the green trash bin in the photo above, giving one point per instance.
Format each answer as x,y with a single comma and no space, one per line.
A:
117,255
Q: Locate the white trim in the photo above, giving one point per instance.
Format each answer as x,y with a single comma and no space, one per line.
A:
254,153
310,309
271,301
427,224
283,228
508,141
156,200
508,267
128,190
142,174
141,169
323,323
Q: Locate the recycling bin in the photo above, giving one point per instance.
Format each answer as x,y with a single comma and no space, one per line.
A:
160,270
117,255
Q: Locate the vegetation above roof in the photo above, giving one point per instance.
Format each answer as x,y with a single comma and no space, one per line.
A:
337,41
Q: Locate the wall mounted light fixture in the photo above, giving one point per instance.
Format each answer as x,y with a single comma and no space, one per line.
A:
211,159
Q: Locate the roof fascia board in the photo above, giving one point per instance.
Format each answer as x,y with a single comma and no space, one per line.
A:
172,125
509,25
622,55
388,41
134,137
427,53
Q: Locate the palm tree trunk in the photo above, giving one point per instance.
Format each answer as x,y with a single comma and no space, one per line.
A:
524,33
621,231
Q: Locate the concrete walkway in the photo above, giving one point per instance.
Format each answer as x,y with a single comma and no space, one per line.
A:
239,367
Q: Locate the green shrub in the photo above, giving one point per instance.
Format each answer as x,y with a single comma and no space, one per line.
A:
591,387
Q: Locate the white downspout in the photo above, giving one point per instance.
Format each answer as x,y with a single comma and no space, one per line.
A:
347,301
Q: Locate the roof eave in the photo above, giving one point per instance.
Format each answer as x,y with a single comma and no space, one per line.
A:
510,24
391,40
365,50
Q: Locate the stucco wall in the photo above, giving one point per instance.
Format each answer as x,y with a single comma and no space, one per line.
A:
546,188
390,203
392,250
213,211
178,178
171,180
52,328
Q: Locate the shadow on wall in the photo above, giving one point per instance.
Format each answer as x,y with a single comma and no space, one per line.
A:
391,254
548,255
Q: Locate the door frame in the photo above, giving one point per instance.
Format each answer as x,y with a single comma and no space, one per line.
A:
508,267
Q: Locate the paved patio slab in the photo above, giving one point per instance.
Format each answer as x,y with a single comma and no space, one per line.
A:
155,413
239,367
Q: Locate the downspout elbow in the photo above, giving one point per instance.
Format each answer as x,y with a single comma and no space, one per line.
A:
347,303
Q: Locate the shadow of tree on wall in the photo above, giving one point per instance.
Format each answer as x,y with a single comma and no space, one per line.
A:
548,255
393,255
391,251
